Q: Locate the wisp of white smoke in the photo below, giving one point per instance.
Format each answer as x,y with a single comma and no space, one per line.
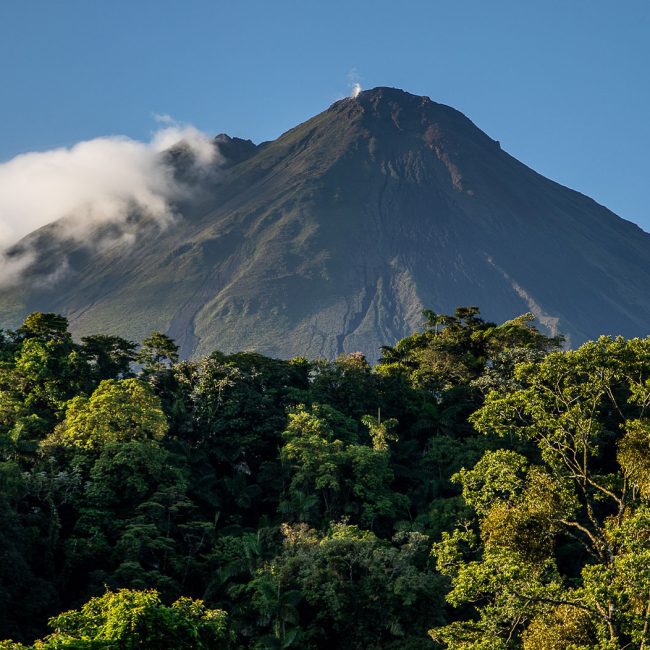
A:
100,181
356,89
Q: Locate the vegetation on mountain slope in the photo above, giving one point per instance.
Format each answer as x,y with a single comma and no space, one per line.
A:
477,488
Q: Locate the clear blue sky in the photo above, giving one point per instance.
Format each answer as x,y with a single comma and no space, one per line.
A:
563,84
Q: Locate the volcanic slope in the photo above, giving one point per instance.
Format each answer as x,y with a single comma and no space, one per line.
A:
333,238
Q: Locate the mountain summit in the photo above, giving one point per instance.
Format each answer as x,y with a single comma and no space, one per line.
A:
333,238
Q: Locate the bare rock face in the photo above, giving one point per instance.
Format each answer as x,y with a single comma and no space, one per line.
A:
333,238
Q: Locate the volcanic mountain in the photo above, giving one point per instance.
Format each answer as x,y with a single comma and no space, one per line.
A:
335,236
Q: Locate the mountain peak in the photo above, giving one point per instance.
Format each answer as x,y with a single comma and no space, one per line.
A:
234,150
383,95
390,108
388,93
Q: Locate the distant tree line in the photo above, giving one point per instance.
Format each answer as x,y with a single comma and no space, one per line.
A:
480,488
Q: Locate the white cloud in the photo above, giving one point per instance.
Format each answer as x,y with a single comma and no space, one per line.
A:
164,118
204,150
11,268
99,181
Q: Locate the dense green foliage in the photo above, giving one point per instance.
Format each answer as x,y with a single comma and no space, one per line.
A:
478,488
560,545
135,619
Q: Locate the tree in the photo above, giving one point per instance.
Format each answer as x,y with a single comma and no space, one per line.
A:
45,371
561,543
133,619
381,433
44,327
109,356
136,526
346,588
117,411
26,570
157,353
456,350
326,461
348,384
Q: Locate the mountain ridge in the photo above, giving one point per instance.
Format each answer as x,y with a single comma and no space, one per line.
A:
334,236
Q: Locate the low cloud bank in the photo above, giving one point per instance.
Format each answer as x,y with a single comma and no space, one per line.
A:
96,182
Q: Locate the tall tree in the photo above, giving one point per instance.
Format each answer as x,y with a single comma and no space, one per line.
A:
136,619
561,544
117,411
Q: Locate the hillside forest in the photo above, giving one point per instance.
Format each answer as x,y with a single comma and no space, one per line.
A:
479,488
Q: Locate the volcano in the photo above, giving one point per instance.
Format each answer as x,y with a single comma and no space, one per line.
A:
335,236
